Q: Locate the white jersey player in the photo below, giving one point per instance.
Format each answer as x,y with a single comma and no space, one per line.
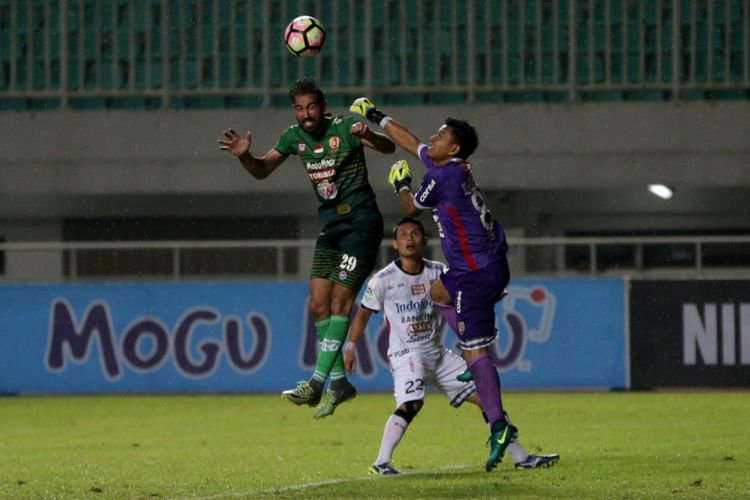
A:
415,352
417,357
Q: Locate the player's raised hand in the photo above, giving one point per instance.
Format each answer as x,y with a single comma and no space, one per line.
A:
235,144
400,176
362,106
360,130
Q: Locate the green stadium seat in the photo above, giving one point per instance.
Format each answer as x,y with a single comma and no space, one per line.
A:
224,76
445,98
686,13
514,69
616,74
651,11
719,68
644,95
548,68
525,97
38,76
530,12
514,42
43,104
415,99
490,97
727,95
84,103
16,105
604,96
245,102
701,65
692,95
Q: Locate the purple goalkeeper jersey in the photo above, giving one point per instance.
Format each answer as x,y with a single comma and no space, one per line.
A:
471,239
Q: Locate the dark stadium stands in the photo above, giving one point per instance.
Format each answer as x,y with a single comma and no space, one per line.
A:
150,54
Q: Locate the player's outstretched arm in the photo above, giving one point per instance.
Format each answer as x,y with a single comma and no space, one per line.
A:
407,203
239,146
401,135
356,330
373,140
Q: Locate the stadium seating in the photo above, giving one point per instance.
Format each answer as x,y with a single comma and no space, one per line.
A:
121,53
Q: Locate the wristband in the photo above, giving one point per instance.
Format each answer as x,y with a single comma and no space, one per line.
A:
385,121
350,346
376,116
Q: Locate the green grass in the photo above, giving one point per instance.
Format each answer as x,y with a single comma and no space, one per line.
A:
613,445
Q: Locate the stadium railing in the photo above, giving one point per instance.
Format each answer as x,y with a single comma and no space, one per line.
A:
177,54
280,260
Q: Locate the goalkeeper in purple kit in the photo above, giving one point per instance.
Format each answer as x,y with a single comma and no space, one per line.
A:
473,243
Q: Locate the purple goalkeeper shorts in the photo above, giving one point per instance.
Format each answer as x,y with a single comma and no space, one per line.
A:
474,295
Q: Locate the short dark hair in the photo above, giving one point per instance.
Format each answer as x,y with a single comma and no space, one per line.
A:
306,85
465,135
408,220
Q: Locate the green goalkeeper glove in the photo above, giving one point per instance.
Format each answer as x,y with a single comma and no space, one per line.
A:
400,176
365,108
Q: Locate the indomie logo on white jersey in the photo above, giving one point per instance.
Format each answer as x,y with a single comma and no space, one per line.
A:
412,305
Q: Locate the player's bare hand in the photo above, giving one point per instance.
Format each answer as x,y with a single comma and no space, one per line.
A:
350,361
235,144
360,130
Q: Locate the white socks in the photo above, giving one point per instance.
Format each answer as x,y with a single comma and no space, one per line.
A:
395,427
517,452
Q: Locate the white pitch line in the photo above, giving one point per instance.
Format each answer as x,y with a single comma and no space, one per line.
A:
304,486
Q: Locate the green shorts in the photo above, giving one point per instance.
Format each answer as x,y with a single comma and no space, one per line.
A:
346,255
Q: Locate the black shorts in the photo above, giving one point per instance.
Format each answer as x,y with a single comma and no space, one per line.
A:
347,254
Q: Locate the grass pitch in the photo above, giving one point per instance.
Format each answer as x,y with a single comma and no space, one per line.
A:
613,445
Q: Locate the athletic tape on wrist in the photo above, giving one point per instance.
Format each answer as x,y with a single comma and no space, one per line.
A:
385,121
375,115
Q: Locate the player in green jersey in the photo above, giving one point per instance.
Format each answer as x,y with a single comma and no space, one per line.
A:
331,150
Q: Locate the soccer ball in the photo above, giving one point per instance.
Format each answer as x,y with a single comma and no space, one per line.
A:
305,36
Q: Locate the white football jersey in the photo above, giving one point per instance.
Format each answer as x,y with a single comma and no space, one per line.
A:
411,320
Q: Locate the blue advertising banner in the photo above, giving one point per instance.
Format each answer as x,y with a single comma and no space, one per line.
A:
259,337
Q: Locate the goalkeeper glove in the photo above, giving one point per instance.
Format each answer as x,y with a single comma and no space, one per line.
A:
365,108
400,176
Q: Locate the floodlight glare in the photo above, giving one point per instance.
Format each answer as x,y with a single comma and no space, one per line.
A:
661,191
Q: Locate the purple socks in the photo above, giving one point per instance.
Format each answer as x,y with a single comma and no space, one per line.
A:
488,388
449,314
484,373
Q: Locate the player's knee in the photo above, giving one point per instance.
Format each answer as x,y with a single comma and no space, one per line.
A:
319,309
409,410
342,302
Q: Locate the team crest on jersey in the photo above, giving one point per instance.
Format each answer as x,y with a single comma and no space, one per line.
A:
301,146
318,149
333,144
418,289
327,190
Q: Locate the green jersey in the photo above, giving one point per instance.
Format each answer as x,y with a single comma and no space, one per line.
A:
335,163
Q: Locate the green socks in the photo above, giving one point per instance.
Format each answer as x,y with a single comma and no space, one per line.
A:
332,333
